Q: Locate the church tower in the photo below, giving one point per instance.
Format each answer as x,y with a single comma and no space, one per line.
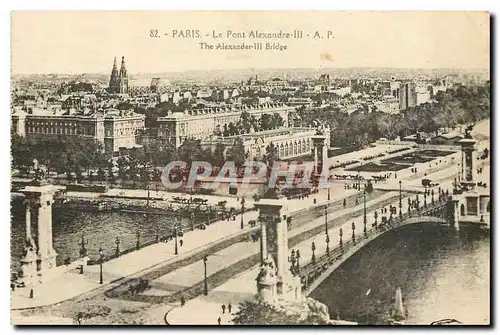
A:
114,80
123,78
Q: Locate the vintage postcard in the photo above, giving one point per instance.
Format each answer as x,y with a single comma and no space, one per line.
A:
250,168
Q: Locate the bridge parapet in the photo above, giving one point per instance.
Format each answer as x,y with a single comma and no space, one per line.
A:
317,270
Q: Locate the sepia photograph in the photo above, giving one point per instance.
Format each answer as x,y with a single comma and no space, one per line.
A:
245,168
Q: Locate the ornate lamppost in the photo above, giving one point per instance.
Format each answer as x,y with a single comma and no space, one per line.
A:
364,212
326,219
297,260
242,210
400,200
313,248
101,260
425,196
205,286
291,259
327,244
353,227
191,219
138,239
340,240
176,251
117,251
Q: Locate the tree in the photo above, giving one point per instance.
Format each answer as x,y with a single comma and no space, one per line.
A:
271,154
257,313
237,153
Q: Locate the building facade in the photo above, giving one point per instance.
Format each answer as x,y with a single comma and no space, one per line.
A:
112,128
205,122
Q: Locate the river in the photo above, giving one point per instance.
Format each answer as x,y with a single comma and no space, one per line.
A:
442,274
99,228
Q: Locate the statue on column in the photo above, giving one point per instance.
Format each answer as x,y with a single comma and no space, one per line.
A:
39,173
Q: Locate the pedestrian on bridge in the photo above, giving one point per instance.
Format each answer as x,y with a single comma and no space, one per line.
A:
223,309
183,301
219,320
181,242
229,308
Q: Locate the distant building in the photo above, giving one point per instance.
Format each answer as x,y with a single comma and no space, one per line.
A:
407,95
204,122
118,81
114,129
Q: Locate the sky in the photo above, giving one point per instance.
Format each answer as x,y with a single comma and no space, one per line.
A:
86,42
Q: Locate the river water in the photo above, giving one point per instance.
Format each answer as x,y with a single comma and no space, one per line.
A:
99,228
442,274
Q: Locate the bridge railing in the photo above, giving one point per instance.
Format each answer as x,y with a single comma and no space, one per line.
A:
336,253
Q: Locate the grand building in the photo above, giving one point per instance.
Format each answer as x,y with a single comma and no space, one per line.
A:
205,122
118,81
113,128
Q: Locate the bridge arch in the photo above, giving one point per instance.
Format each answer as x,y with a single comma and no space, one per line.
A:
313,276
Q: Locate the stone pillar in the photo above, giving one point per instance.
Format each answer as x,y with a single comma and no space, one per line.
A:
41,199
320,152
274,248
456,213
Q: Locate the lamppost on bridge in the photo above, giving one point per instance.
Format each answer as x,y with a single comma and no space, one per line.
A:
291,259
417,203
191,219
340,240
101,260
327,244
432,196
117,242
425,196
138,241
400,200
176,251
82,244
297,260
313,248
353,226
375,215
364,212
242,210
326,219
205,286
328,188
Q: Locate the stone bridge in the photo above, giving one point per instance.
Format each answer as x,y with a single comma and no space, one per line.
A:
313,273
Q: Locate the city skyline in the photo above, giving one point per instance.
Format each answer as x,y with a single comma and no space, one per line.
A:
90,41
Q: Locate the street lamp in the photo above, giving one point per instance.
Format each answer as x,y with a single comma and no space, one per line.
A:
425,196
364,212
326,219
432,196
291,259
101,260
205,287
191,218
117,242
297,259
328,193
242,210
327,244
400,200
313,248
176,251
353,226
417,203
138,242
340,240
